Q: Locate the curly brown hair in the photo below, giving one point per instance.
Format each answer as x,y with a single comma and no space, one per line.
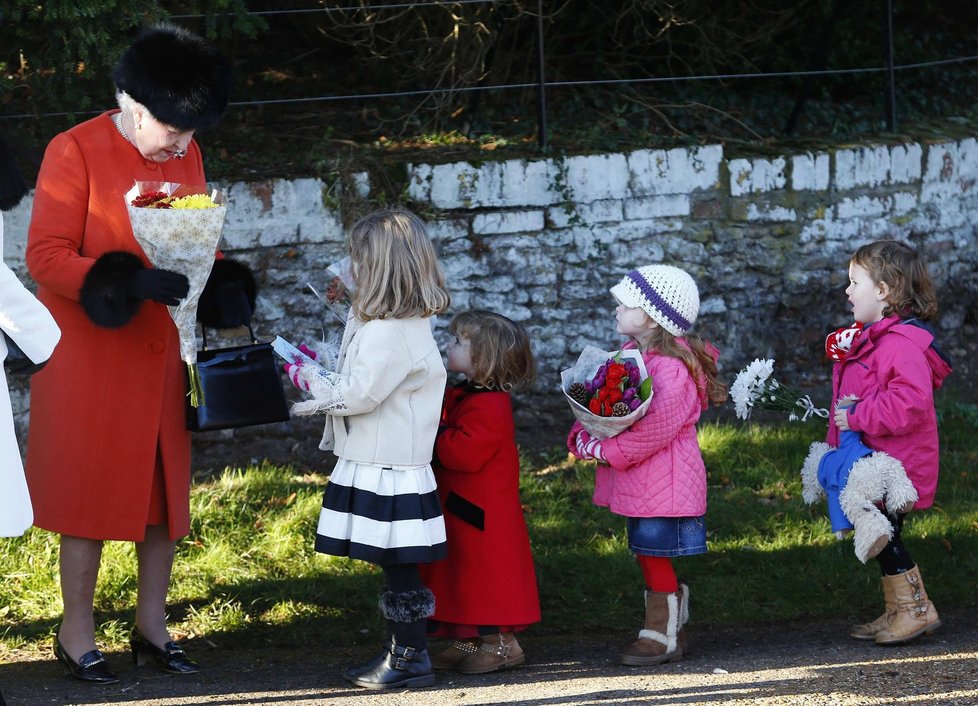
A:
500,349
904,271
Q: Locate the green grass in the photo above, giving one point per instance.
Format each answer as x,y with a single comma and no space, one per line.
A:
248,571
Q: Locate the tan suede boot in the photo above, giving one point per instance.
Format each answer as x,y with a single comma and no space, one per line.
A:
913,615
450,657
867,631
658,641
499,651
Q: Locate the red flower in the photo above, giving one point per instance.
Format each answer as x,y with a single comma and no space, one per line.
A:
594,406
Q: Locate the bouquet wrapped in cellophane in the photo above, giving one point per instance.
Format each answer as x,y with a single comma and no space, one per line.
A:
178,228
607,390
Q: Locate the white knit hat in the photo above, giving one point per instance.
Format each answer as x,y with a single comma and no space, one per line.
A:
666,293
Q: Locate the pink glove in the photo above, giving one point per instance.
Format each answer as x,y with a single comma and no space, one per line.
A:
292,370
588,449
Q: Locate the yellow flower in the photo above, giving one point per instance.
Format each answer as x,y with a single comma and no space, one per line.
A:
193,201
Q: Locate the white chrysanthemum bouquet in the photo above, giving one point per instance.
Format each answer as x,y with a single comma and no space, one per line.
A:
756,386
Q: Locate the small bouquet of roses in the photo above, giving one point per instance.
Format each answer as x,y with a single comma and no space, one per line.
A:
607,391
756,386
178,228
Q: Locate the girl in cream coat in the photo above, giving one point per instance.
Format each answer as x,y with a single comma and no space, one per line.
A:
384,400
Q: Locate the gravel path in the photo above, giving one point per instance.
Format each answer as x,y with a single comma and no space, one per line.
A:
791,664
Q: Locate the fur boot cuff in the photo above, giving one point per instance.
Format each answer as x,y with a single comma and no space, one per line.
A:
407,606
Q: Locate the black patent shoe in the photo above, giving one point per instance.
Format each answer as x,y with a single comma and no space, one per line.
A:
397,668
170,659
91,666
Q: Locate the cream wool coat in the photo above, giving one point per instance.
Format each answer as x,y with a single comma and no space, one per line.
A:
385,403
28,322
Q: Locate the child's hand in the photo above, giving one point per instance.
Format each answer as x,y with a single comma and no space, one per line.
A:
308,351
292,370
841,417
588,449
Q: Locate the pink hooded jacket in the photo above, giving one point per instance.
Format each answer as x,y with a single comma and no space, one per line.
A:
893,371
655,468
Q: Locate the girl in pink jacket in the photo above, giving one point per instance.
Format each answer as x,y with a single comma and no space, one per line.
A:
884,388
653,472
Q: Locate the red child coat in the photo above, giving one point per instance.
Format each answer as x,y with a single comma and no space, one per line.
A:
488,577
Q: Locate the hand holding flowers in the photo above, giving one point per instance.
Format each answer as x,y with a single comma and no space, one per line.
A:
607,391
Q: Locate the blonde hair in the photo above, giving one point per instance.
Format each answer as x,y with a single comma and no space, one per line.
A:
499,348
702,368
904,271
395,268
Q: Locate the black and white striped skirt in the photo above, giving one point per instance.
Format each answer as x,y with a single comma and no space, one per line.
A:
382,514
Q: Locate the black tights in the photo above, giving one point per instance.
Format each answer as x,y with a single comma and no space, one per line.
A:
402,577
406,578
895,559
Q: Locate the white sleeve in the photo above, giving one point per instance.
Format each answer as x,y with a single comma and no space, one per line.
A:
26,320
379,364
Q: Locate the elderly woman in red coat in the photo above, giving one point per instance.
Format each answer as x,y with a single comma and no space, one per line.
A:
108,449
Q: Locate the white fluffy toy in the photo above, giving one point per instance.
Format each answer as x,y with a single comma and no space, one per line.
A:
875,479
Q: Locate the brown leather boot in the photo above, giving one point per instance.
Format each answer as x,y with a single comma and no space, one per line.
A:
658,641
450,657
867,631
914,614
499,651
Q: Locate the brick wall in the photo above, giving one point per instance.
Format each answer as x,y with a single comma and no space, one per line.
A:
766,237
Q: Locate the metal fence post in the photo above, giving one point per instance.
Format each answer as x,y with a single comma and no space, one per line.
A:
890,92
542,83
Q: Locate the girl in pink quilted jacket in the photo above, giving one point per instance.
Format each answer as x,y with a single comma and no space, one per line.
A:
653,472
883,387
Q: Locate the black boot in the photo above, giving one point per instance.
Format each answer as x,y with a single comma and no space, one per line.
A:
354,673
398,667
405,661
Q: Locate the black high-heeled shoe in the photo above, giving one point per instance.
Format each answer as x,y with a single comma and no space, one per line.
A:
170,659
91,666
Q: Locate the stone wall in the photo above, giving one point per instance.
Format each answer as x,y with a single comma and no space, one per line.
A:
766,237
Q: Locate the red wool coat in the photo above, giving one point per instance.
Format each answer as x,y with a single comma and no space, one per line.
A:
110,397
488,577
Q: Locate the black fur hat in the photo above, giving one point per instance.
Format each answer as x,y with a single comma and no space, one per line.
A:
182,79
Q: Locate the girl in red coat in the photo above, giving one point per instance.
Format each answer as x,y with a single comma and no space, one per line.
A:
485,590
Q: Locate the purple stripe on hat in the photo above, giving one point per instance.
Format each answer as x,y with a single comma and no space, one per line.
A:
661,304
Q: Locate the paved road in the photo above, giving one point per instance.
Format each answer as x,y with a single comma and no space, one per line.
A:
792,664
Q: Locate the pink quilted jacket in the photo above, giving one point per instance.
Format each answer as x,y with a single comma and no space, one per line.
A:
655,468
893,369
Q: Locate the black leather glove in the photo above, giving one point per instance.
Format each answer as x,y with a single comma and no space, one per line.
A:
163,286
233,304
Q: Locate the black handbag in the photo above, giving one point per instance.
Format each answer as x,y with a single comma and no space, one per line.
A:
242,387
17,362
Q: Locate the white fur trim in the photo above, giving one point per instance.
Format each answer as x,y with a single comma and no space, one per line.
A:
683,604
811,489
672,625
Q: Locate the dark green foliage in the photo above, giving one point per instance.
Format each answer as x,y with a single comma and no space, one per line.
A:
57,55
